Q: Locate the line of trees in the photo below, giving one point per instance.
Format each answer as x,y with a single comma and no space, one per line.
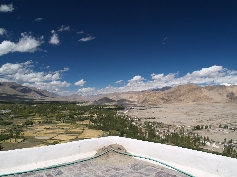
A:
12,133
122,126
102,118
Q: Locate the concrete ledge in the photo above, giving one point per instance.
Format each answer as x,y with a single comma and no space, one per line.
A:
194,162
47,163
190,161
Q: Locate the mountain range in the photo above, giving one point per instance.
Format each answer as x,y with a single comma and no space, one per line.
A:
187,93
15,91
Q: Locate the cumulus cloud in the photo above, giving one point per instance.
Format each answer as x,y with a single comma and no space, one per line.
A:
54,38
157,76
64,69
163,78
6,8
87,90
214,75
26,43
119,82
3,31
25,74
80,82
38,19
211,72
53,86
88,38
63,28
136,79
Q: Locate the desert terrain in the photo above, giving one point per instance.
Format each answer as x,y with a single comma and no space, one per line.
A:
208,114
207,111
214,115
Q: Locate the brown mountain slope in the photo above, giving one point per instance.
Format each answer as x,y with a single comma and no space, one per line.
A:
13,88
221,93
178,94
188,93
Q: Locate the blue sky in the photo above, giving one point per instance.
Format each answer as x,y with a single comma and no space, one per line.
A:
93,47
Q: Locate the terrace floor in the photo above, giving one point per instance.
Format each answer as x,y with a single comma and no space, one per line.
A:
110,164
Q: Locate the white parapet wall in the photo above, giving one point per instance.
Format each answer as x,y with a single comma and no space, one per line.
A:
26,159
193,162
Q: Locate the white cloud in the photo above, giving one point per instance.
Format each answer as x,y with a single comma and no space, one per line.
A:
80,32
63,28
25,74
26,44
162,77
80,82
54,39
119,82
3,80
9,68
6,8
135,80
157,76
210,72
85,39
64,69
53,86
38,19
3,31
87,90
214,75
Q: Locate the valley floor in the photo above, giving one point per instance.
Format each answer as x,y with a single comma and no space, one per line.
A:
221,118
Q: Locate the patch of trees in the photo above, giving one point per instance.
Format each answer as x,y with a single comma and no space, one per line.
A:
102,118
5,123
115,125
225,126
200,127
1,147
28,122
12,133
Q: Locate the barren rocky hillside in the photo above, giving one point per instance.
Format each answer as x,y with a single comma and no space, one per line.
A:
13,88
182,93
179,94
190,93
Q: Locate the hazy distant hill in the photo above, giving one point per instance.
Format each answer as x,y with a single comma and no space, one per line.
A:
162,89
104,100
190,93
221,93
109,101
178,94
13,89
187,93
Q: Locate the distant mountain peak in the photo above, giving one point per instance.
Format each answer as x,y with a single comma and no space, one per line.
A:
13,88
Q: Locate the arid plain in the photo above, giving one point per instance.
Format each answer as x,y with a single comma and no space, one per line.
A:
207,111
213,115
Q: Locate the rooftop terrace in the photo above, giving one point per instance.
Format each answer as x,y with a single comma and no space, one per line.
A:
125,157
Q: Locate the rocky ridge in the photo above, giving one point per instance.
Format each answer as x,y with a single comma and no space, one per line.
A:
15,89
188,93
